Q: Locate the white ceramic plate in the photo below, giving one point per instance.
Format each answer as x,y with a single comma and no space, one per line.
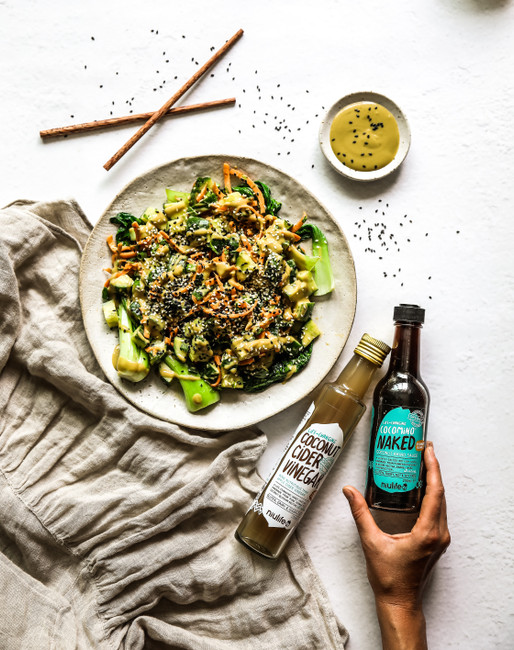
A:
403,127
333,313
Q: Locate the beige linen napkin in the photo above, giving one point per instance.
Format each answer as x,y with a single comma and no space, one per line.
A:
116,529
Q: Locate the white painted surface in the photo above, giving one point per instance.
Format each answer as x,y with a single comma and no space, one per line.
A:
448,64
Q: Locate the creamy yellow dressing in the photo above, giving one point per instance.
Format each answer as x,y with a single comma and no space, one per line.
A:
115,356
364,136
168,373
126,366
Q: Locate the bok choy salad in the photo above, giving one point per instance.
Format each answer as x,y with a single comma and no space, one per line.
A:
214,289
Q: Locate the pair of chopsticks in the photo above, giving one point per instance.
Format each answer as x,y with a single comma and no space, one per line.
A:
151,118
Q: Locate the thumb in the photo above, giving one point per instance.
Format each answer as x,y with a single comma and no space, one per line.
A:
363,518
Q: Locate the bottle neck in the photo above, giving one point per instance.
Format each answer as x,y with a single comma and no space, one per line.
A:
405,350
357,375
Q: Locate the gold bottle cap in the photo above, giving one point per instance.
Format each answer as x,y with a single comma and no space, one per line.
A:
372,349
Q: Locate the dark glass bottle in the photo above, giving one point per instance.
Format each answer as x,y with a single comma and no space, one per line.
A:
395,479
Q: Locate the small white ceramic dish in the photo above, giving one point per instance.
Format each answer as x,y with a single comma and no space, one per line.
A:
403,127
236,409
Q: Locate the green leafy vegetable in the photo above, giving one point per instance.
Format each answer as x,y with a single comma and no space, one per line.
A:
272,205
124,221
279,371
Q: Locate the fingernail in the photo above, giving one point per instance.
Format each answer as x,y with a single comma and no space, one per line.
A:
348,494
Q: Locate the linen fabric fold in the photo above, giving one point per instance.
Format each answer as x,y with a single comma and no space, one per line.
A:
116,528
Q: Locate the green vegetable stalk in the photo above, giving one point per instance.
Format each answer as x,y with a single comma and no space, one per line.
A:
322,270
132,362
197,392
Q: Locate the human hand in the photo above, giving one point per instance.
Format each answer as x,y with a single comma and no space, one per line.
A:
398,565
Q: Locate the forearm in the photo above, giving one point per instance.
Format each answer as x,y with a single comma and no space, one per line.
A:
401,628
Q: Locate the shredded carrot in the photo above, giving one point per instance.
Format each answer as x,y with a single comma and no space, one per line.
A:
255,188
152,348
191,312
188,286
246,362
219,282
236,284
128,255
216,191
170,241
111,244
299,223
269,319
211,312
217,380
201,194
242,314
226,177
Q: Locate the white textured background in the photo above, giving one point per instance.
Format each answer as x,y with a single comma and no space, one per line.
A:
448,216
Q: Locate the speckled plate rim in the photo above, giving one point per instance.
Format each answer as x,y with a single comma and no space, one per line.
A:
403,127
335,313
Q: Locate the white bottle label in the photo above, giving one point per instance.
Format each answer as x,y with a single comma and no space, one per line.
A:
301,472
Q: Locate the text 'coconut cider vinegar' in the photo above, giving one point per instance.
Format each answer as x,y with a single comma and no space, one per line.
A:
395,478
310,454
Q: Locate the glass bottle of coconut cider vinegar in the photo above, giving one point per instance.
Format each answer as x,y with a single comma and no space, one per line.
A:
310,454
395,478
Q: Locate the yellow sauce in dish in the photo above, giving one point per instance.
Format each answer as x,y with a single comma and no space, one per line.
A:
364,136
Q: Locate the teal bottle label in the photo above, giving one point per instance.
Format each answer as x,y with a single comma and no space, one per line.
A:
399,444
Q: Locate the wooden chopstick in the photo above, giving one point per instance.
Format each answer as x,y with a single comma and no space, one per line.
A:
130,119
165,108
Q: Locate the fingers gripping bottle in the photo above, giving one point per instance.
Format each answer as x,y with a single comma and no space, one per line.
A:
310,454
395,478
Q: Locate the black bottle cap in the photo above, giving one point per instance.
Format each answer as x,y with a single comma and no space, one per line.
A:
409,314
